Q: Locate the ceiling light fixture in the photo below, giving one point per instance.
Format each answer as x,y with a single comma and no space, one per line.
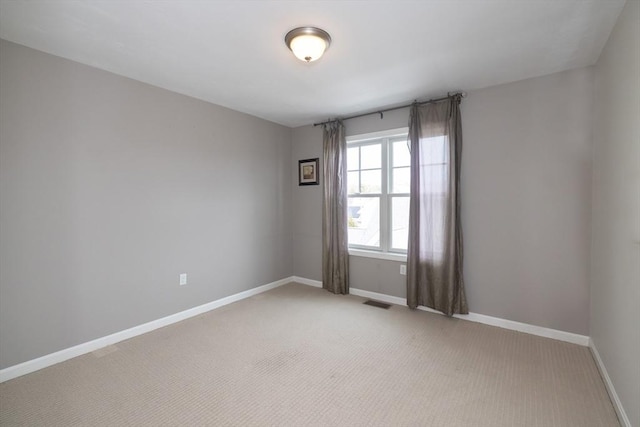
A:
307,43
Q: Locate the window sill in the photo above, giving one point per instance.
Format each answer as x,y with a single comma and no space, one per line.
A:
378,255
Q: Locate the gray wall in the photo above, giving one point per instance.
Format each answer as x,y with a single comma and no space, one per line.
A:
526,191
109,188
526,194
307,206
615,286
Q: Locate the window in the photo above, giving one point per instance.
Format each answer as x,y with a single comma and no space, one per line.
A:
378,185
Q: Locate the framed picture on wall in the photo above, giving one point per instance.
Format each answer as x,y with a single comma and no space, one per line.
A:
308,172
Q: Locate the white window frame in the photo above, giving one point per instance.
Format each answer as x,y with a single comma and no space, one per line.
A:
385,251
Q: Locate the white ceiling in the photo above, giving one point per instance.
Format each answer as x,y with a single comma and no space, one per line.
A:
384,53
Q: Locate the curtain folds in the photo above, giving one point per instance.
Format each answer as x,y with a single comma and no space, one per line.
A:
434,258
335,245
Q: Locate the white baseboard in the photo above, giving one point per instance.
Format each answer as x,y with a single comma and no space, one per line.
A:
308,282
87,347
378,297
472,317
617,404
540,331
78,350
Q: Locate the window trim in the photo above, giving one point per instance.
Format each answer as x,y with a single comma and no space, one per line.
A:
385,251
389,256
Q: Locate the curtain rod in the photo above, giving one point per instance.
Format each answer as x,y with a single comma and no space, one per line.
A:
431,101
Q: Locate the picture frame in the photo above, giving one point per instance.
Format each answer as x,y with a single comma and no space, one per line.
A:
308,172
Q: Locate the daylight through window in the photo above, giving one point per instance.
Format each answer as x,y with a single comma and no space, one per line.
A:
378,185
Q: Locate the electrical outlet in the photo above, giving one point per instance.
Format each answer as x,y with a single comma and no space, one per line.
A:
183,279
403,269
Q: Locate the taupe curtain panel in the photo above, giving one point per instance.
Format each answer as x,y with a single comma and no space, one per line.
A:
335,245
434,259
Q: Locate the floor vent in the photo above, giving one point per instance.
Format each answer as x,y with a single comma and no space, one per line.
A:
377,304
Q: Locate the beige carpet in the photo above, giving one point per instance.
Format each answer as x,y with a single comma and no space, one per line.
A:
300,356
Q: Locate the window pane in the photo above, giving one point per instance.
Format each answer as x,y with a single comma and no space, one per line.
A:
401,180
353,182
399,222
401,156
371,181
364,221
353,156
371,156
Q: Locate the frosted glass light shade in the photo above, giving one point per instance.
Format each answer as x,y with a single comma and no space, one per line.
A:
308,48
307,43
